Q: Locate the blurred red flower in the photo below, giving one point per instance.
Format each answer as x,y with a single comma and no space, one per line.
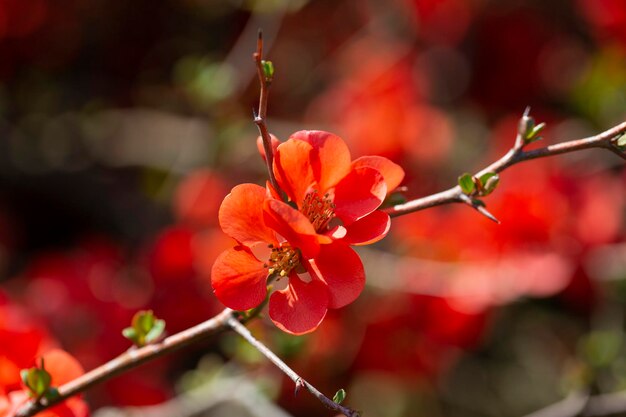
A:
24,341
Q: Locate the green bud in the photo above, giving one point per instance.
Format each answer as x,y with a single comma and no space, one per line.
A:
467,183
489,182
37,380
268,70
339,396
527,128
145,328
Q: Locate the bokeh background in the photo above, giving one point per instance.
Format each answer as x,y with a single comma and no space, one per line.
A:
123,124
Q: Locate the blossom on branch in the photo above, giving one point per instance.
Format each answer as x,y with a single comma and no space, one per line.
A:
339,196
275,240
332,203
336,201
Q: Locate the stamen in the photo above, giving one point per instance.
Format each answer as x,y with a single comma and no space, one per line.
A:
283,259
319,210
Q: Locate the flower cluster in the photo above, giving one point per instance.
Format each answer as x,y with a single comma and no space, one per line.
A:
332,203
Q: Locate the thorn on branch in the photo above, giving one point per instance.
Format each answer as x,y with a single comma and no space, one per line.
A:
298,387
479,206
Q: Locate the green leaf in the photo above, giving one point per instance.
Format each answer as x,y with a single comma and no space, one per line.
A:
130,333
145,328
339,396
36,380
489,182
533,134
621,141
268,69
143,322
156,331
467,183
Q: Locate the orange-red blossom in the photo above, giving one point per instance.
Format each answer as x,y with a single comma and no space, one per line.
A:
332,204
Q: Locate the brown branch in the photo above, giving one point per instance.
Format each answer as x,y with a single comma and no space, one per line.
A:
517,154
260,116
297,379
131,359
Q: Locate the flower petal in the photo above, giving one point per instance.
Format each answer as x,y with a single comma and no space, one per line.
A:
391,172
294,227
241,215
369,229
342,270
293,170
62,366
358,194
239,279
300,307
330,158
274,142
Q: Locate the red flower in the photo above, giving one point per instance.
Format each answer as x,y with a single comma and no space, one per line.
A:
63,368
337,195
239,276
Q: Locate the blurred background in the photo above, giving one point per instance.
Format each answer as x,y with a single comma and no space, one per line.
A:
124,124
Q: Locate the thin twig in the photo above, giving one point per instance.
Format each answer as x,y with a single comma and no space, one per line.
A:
297,379
131,359
515,155
260,116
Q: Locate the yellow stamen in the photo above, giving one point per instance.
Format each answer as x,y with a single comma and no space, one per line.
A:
319,210
282,260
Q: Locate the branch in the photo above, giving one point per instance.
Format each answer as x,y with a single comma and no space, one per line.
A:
260,116
517,154
297,379
131,359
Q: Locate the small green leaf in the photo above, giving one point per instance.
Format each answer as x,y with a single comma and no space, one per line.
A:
36,380
621,141
156,331
533,134
527,128
489,182
143,321
146,328
130,334
467,183
339,396
268,69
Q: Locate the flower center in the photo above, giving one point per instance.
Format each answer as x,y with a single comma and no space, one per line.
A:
283,259
319,210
